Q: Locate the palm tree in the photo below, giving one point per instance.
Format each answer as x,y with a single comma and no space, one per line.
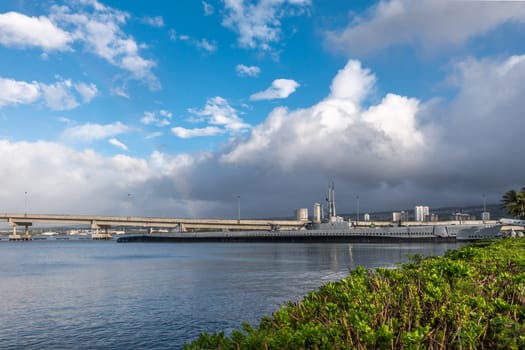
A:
521,203
514,202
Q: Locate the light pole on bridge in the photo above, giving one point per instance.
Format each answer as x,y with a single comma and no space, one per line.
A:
130,203
483,215
238,209
357,221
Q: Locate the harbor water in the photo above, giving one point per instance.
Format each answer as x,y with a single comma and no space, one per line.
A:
105,295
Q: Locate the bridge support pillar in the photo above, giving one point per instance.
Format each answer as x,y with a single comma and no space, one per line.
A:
16,237
101,236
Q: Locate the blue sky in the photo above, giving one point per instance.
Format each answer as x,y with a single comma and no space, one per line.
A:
175,108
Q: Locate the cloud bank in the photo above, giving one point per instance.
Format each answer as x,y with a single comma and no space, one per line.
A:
428,24
394,154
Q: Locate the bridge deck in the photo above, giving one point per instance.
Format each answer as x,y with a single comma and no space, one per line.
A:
136,221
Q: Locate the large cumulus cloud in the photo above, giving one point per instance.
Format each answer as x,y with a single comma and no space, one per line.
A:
339,135
393,153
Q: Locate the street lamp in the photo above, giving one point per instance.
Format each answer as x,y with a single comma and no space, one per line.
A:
238,209
25,202
357,221
484,209
130,202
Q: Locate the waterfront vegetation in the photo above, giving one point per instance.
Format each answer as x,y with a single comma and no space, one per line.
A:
471,298
514,202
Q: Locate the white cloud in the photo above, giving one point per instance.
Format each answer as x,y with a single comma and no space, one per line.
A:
258,25
247,71
148,118
119,91
118,144
153,135
165,113
281,88
218,112
18,92
91,183
172,33
163,122
64,120
151,118
99,28
206,45
208,8
353,82
87,91
91,131
184,133
429,24
337,133
156,21
61,95
202,44
18,30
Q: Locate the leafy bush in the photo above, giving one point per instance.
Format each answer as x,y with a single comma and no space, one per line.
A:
473,297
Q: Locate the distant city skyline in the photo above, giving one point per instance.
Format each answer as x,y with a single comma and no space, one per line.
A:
251,108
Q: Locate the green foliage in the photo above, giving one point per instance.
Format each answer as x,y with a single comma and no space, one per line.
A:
514,202
471,298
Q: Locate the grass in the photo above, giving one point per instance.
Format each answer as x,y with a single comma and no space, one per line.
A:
471,298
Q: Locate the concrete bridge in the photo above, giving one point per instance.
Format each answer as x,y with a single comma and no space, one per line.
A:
99,222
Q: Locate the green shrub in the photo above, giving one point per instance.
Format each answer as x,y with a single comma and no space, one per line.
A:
473,297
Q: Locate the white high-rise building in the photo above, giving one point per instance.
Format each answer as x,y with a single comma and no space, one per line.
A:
422,213
398,216
317,213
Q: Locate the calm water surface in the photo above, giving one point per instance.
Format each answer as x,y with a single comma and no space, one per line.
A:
85,295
